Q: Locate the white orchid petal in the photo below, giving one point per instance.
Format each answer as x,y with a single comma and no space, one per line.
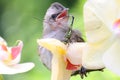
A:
74,53
10,56
99,36
111,58
92,57
24,67
96,29
93,53
103,44
107,10
14,69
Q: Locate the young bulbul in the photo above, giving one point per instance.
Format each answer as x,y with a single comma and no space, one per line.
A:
56,25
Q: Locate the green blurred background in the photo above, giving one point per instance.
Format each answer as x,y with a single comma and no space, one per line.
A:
22,19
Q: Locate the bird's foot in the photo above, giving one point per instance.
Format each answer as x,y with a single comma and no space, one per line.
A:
83,72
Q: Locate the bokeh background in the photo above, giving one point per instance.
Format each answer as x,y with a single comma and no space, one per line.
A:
22,20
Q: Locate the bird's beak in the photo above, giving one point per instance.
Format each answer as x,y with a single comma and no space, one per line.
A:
62,14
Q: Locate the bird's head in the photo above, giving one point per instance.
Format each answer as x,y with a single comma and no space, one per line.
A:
56,16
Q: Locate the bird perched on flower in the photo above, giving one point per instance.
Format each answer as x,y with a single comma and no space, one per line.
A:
56,25
64,59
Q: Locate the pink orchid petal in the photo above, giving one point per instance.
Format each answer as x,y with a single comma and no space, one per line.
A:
15,51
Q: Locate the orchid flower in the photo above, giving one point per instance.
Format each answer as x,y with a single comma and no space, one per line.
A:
102,26
10,57
64,60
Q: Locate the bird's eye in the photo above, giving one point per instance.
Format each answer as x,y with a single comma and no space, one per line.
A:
54,15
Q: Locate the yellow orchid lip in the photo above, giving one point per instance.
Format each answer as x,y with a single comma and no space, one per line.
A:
58,49
53,45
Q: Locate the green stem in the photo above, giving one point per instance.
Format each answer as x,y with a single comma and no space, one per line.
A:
69,32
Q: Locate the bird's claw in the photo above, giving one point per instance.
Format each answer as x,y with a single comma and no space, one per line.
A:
83,72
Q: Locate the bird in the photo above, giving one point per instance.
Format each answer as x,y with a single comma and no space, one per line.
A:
56,25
